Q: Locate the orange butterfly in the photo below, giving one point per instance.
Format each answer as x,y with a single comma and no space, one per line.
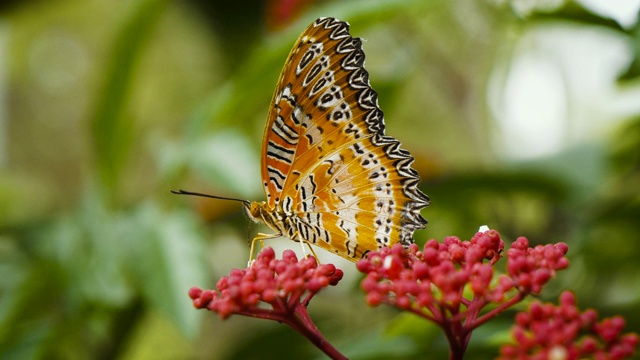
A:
331,176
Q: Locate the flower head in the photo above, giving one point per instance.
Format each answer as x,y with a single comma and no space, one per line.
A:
284,284
547,331
439,274
452,281
531,268
273,289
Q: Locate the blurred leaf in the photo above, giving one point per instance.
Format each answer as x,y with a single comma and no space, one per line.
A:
633,71
112,129
156,338
625,148
26,342
373,12
373,344
271,342
419,329
168,258
487,338
515,203
22,199
574,11
584,179
227,159
88,246
20,336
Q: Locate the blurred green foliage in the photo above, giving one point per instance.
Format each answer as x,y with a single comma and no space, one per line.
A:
106,106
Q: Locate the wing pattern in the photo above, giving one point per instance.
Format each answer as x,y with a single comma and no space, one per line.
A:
327,164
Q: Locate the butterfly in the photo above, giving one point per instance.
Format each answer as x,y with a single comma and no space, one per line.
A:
331,176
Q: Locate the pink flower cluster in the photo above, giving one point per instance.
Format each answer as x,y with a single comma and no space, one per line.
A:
437,276
532,268
273,289
432,283
279,283
547,331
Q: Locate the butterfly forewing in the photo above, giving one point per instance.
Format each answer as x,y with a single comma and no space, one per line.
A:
326,160
284,126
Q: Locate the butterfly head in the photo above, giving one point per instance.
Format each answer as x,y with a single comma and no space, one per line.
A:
255,210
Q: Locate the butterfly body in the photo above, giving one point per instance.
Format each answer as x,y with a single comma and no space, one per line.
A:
331,176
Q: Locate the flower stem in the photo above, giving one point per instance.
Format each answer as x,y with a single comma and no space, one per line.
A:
458,340
498,310
302,323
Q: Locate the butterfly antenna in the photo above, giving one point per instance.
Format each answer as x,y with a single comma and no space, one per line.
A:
191,193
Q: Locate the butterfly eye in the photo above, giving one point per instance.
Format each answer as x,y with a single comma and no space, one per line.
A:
253,211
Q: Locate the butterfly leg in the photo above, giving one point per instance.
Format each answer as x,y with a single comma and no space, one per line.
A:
259,238
302,244
312,252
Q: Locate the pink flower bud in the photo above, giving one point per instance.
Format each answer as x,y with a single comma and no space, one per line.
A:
374,298
589,345
545,328
195,292
521,243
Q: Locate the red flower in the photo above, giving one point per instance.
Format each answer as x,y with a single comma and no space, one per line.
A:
547,331
273,289
431,283
531,268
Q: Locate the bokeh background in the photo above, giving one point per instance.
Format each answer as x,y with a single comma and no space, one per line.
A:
523,115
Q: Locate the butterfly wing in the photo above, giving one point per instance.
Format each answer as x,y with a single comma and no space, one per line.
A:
326,157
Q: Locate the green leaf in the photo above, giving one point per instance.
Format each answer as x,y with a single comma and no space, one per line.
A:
112,129
228,159
168,259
